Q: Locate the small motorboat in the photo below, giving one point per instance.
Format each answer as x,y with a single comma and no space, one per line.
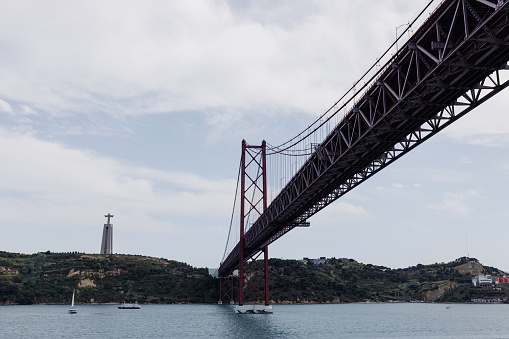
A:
129,306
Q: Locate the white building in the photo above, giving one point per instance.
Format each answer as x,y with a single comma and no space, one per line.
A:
484,281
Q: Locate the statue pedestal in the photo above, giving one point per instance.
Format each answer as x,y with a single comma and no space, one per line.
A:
107,242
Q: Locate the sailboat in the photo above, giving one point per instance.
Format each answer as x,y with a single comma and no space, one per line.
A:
72,309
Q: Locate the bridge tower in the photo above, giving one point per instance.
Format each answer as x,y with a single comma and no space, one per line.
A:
253,202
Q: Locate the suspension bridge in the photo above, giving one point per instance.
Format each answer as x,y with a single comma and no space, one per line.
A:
446,62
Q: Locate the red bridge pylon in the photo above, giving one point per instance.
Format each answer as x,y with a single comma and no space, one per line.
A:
253,203
226,289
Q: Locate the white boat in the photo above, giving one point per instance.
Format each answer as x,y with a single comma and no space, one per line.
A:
253,309
129,306
72,309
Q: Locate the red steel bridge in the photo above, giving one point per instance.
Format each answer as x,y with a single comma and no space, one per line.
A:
454,61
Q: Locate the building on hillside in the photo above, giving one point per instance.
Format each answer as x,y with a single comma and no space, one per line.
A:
483,300
323,260
305,260
319,261
484,281
215,272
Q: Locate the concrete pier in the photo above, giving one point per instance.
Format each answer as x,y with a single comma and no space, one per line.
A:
253,309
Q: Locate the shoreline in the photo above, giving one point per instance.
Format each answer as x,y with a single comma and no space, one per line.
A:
275,304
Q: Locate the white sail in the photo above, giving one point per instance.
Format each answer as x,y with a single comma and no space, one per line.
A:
72,309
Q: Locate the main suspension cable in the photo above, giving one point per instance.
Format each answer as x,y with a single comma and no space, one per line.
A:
282,147
233,212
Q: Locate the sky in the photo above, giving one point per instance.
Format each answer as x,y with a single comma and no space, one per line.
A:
139,108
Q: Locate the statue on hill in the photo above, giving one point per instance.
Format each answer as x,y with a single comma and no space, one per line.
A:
107,241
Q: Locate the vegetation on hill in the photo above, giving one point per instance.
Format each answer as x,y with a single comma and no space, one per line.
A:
337,281
51,277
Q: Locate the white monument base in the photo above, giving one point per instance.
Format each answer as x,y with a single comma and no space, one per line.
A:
253,309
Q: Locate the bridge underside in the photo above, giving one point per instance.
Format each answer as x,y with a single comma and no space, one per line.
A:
454,62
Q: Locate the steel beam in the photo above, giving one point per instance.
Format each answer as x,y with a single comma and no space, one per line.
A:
454,62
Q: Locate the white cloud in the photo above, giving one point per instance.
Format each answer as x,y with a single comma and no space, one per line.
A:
448,175
457,203
47,183
27,110
5,107
189,181
489,140
342,208
131,58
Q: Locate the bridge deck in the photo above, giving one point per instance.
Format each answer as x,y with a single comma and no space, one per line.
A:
450,58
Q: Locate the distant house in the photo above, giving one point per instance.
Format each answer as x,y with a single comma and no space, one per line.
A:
482,300
214,272
323,260
484,281
319,261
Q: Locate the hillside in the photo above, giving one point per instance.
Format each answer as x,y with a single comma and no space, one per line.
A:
337,281
51,277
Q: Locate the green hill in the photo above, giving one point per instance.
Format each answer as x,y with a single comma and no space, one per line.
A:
337,281
51,277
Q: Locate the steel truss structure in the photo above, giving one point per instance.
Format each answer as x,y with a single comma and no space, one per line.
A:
226,289
453,63
253,202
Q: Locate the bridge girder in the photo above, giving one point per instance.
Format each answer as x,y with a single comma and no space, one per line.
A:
453,63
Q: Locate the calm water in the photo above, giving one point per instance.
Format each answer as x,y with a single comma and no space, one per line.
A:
288,321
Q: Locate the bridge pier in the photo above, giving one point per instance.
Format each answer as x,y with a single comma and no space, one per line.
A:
253,284
254,309
226,289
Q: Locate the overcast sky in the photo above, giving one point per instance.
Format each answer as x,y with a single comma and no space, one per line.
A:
138,109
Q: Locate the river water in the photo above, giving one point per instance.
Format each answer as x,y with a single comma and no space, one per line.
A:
288,321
